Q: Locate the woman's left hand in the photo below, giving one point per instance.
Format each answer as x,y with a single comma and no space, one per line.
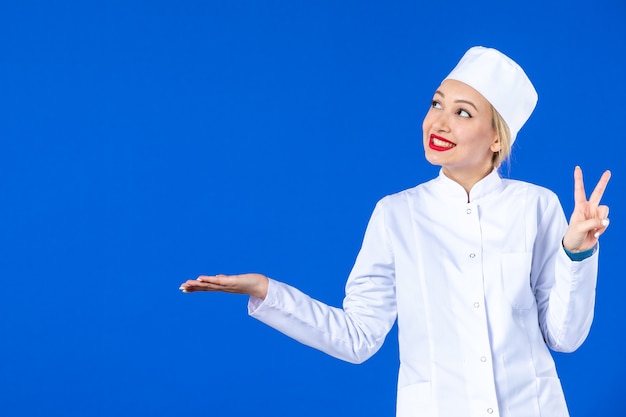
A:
589,219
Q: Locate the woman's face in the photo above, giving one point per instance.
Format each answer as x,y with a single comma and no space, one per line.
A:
458,131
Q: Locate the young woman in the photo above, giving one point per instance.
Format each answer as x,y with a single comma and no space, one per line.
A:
482,273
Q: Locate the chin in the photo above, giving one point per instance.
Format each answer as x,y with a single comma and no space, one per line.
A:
432,159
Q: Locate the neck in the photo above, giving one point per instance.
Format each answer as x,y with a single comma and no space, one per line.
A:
467,179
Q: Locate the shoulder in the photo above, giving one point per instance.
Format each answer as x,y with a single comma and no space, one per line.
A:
401,198
394,211
532,190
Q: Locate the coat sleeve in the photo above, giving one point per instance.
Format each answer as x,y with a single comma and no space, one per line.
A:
356,331
564,289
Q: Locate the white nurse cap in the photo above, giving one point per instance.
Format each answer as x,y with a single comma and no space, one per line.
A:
501,81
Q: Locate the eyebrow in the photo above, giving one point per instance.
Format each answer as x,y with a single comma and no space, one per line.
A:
457,101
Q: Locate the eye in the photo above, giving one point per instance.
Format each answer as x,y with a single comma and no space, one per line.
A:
435,104
463,113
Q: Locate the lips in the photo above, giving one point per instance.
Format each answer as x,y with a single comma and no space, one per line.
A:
440,144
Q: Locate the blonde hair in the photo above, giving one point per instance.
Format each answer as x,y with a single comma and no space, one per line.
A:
504,135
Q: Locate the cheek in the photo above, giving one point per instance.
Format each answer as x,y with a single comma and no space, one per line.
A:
490,136
481,138
426,123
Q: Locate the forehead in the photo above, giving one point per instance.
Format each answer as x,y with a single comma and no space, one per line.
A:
458,91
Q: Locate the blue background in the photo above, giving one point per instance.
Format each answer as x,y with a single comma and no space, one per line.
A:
146,142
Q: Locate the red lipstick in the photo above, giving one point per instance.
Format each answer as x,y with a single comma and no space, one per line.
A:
447,145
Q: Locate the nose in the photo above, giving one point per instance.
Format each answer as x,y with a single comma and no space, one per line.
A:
440,122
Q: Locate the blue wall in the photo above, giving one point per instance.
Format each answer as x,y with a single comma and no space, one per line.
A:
147,142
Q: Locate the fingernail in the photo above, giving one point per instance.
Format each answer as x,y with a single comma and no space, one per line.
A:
597,235
605,222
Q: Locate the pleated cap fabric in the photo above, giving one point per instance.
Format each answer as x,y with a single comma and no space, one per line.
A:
501,81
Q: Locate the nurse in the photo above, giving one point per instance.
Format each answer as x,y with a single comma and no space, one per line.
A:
483,274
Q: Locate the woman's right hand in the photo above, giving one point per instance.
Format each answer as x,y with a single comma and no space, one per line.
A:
251,284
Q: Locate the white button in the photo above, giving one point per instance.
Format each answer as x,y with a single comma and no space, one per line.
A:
476,304
468,211
490,410
472,255
483,359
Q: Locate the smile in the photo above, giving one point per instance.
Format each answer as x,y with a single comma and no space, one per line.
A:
440,144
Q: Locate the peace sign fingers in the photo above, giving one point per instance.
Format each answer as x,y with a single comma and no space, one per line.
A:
579,186
589,219
596,196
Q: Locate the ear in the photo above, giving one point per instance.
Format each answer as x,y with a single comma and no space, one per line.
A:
496,145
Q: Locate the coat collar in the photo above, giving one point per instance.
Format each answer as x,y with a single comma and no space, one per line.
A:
450,189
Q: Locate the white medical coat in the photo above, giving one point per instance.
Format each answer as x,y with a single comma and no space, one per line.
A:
479,289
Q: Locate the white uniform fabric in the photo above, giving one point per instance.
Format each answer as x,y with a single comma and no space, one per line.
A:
479,288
